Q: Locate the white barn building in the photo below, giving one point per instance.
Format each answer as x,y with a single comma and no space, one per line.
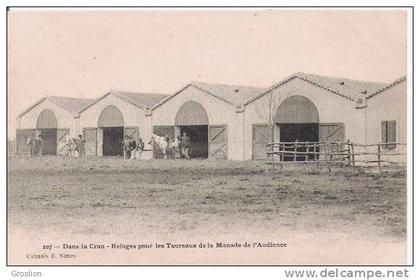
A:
307,107
54,118
210,114
232,122
237,122
105,121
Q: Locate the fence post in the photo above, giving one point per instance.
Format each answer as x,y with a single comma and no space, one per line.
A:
348,151
317,154
330,156
281,148
307,151
353,161
379,158
294,152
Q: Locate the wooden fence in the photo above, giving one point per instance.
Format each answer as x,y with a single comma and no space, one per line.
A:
342,153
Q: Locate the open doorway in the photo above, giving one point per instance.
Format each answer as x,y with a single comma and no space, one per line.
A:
198,134
49,136
301,132
192,120
112,141
298,121
47,128
111,124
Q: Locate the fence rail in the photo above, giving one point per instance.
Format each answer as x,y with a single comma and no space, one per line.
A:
348,153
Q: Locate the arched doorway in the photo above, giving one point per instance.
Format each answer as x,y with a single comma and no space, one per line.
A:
46,125
192,119
111,131
298,120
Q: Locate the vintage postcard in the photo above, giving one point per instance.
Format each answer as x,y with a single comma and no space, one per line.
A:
224,136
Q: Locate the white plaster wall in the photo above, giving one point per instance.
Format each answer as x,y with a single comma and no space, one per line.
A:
218,111
133,115
332,108
387,106
64,118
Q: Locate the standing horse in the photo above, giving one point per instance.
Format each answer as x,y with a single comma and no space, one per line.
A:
71,145
161,142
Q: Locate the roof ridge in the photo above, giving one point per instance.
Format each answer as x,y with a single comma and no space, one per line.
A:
76,98
190,84
39,101
224,84
339,78
324,87
390,85
133,92
94,101
125,98
301,75
211,93
273,87
51,99
75,112
169,97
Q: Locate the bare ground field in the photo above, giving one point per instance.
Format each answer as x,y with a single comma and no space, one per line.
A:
324,218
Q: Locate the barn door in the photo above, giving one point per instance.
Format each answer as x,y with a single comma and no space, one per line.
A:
218,141
131,131
90,136
62,134
162,130
21,138
331,132
261,136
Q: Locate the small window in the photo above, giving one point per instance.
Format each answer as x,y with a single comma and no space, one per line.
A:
389,134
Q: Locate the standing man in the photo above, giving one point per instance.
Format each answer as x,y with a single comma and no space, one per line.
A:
132,147
81,146
126,147
185,145
38,145
176,145
139,148
30,142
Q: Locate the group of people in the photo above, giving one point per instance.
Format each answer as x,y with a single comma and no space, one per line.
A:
174,147
132,148
35,145
76,146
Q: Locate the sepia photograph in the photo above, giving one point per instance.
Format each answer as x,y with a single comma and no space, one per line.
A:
208,136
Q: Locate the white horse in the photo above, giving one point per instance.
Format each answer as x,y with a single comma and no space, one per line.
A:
161,142
71,144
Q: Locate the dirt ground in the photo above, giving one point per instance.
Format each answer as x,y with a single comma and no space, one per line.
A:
324,218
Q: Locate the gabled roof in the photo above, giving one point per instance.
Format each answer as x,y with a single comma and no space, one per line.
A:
234,95
347,88
141,100
390,85
231,94
71,105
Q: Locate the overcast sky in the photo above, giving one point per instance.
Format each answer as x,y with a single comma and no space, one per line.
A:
79,53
